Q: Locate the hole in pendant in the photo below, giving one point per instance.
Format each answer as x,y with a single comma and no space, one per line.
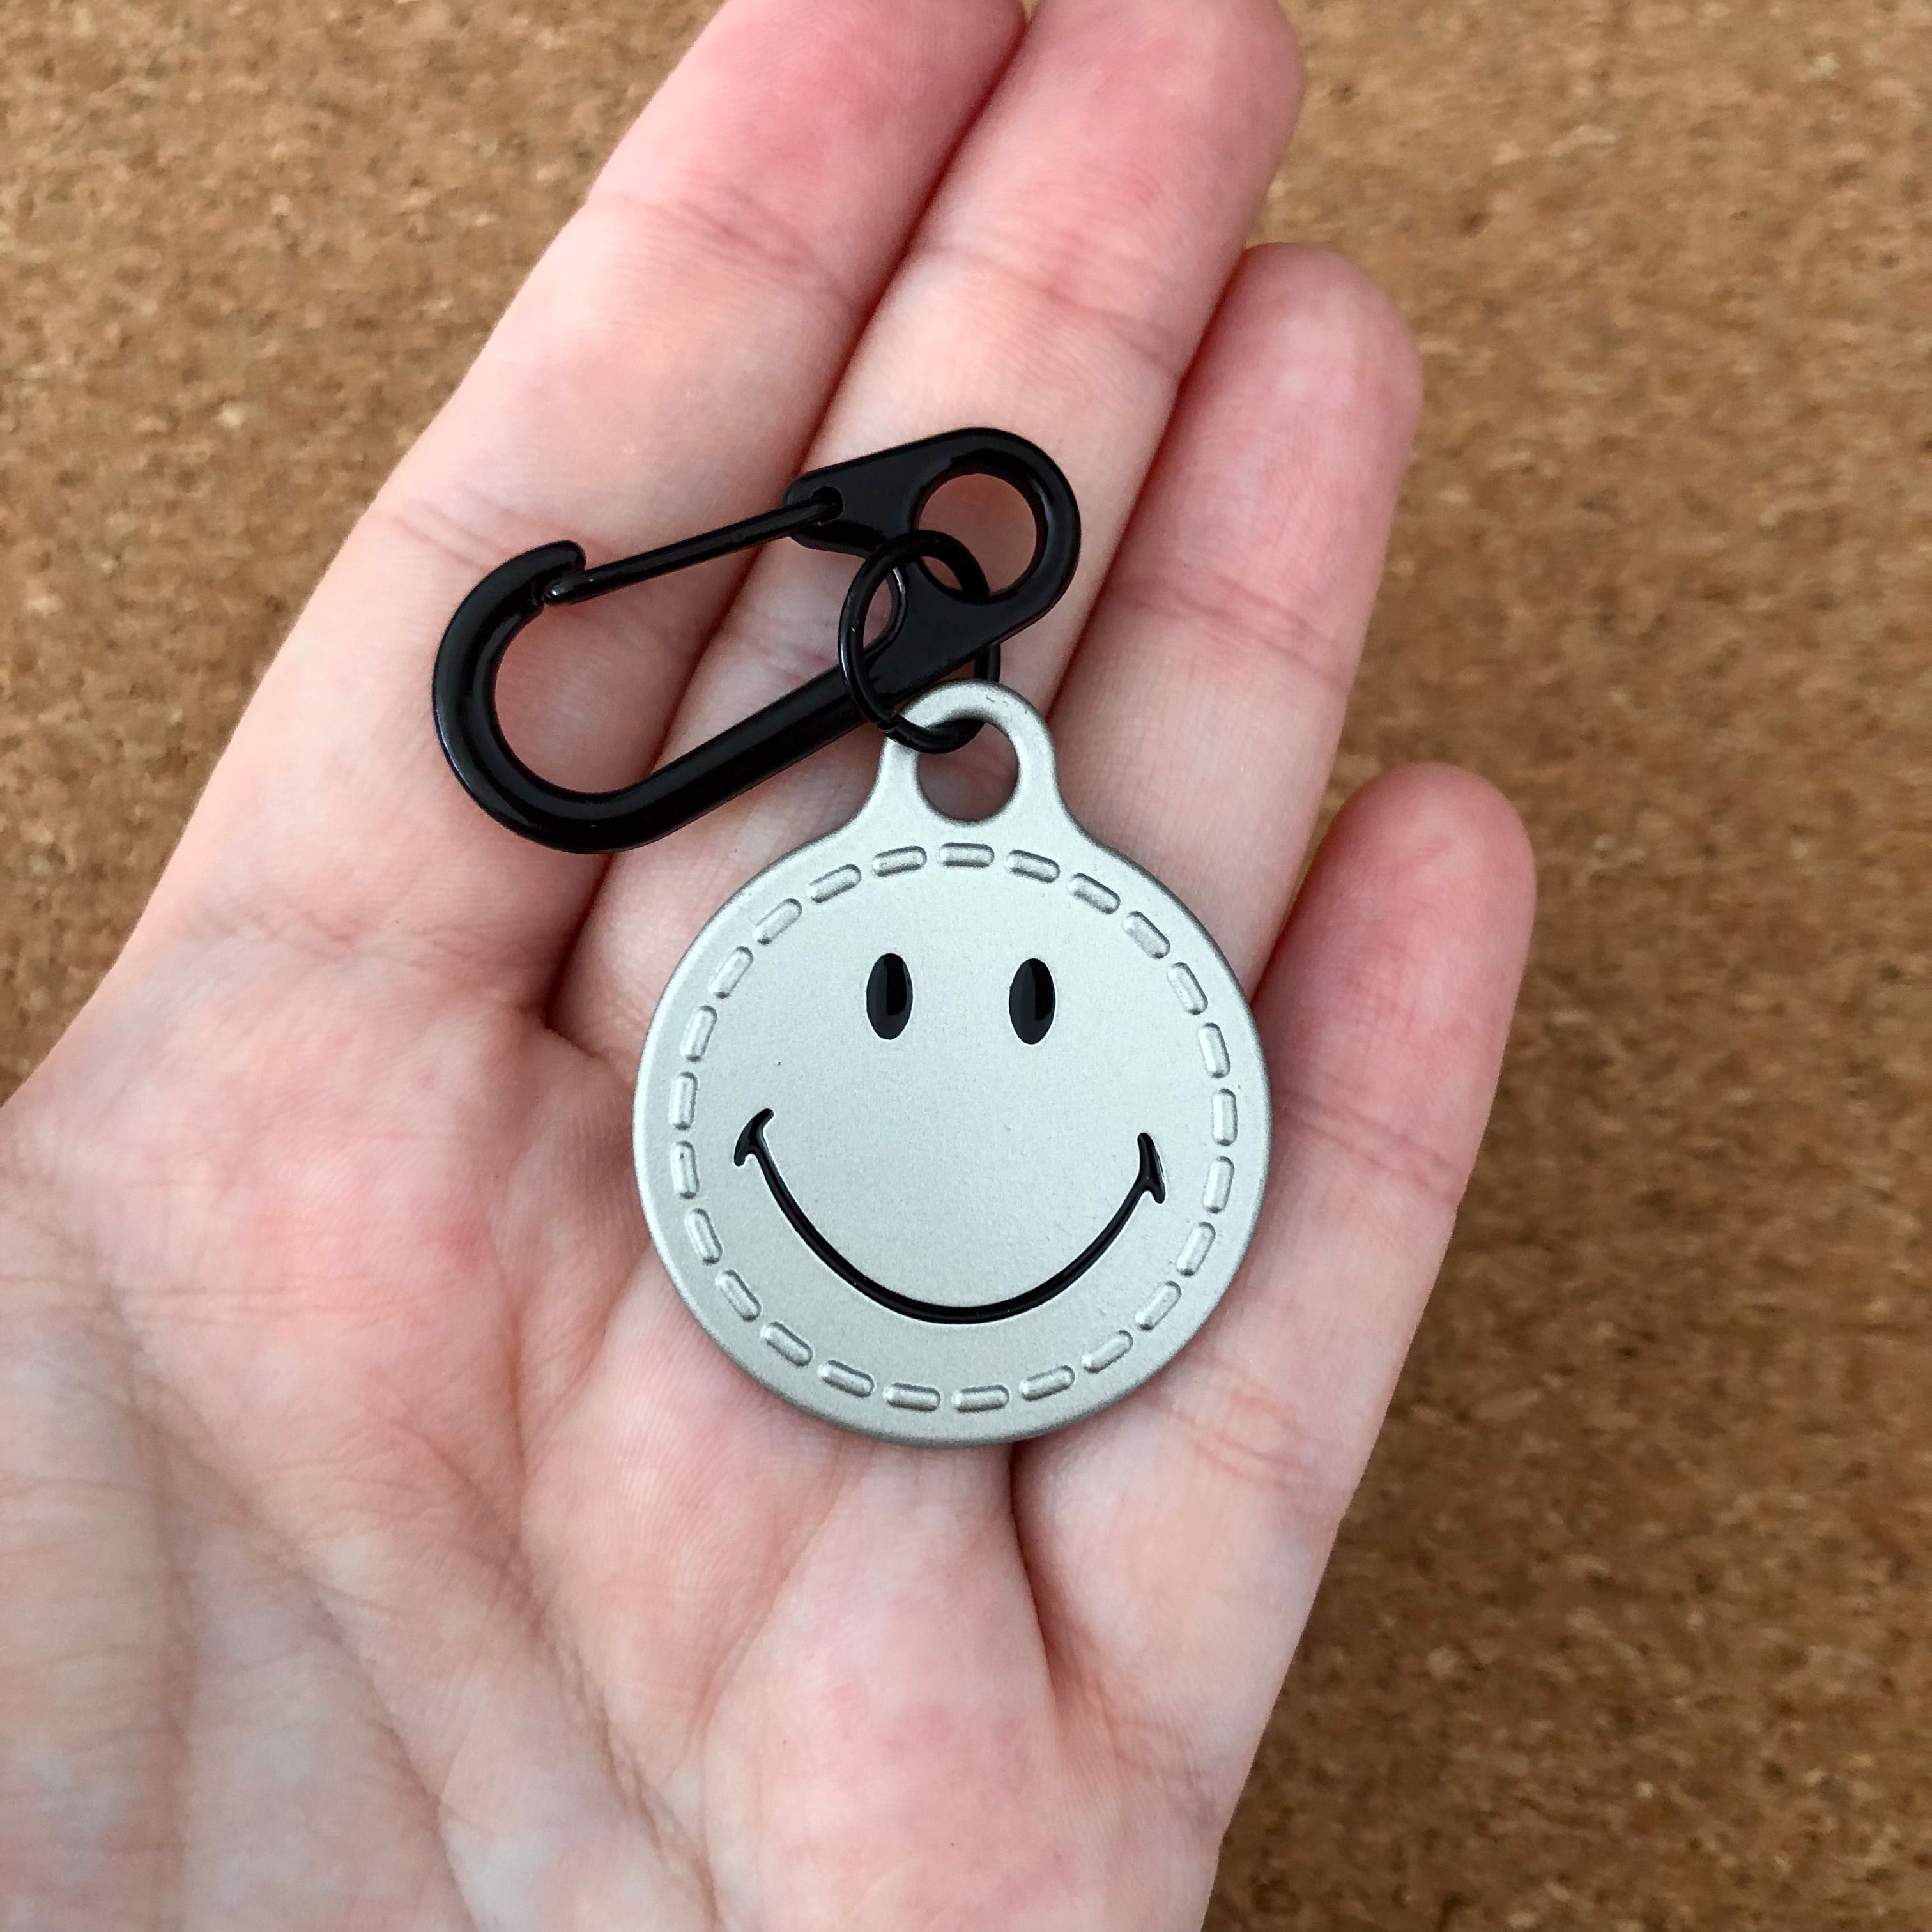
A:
974,783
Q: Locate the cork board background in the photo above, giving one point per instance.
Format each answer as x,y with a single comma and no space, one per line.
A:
1630,1626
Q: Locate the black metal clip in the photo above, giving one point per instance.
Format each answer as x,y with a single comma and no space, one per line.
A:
868,508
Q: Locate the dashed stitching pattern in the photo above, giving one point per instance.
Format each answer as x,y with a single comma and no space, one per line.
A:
916,1397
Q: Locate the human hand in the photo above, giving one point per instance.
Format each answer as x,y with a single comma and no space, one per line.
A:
381,1542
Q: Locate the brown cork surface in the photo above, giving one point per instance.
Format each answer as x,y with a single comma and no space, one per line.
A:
1631,1624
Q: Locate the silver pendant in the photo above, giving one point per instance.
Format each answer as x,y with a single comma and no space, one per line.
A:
953,1133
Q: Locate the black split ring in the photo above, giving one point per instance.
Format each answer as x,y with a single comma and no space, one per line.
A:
854,658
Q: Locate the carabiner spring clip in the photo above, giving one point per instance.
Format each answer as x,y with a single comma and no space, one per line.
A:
869,508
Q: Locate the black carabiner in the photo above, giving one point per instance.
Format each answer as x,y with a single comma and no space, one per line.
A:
857,508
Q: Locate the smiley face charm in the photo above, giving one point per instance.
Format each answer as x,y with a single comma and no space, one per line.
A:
953,1133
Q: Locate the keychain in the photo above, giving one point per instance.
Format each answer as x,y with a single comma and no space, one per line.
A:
947,1132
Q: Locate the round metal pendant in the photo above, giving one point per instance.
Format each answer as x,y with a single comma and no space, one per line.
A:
953,1133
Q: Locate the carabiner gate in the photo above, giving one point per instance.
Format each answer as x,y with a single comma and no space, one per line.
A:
859,508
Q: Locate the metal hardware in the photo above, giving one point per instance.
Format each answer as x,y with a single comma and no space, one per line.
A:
886,565
858,508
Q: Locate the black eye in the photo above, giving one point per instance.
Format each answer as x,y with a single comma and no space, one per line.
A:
889,997
1031,1002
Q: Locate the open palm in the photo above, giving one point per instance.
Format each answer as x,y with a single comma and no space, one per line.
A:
381,1542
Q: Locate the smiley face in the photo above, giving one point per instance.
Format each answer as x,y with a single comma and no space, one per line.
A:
1032,1006
952,1132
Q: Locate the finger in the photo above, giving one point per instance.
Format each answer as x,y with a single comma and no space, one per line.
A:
1059,287
1175,1543
1197,723
662,372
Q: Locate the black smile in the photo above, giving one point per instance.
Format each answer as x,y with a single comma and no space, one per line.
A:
752,1146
